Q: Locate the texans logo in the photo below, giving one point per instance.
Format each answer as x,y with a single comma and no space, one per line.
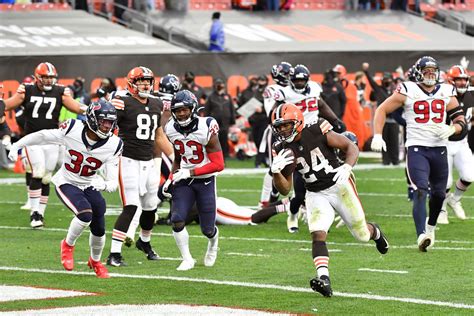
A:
96,107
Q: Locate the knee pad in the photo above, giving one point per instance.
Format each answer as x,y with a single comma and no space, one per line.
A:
47,177
147,219
97,226
39,172
209,232
177,226
85,216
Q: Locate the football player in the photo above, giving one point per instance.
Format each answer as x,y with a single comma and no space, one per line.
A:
90,147
281,76
427,104
42,102
198,157
459,152
306,95
169,85
138,119
329,188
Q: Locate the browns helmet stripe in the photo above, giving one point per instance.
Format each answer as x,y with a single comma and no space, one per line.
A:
51,71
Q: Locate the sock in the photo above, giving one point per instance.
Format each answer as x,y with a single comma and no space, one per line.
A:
376,234
266,188
34,194
419,210
321,258
44,198
96,244
182,241
28,177
461,187
214,240
430,228
145,235
75,230
132,229
117,241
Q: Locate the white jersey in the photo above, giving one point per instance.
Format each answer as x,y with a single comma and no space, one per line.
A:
424,111
82,161
272,94
307,102
192,145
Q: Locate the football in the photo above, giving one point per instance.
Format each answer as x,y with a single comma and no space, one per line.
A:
290,168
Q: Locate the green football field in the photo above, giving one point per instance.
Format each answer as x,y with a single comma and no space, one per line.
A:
258,267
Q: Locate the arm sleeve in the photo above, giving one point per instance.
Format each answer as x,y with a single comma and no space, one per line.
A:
44,137
216,164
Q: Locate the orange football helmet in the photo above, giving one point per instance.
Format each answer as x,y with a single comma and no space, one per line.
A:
140,73
458,72
284,114
46,76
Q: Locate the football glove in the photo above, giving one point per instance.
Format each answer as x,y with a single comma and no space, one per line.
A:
181,174
7,142
166,189
13,154
342,173
445,131
281,160
378,144
98,184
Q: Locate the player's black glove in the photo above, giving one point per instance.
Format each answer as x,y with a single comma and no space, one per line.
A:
338,126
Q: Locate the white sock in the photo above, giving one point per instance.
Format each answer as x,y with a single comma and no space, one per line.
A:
75,230
182,241
117,241
96,244
459,191
35,199
214,241
145,235
266,188
430,229
42,205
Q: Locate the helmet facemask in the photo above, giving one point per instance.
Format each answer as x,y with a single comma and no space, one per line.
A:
46,82
286,130
182,117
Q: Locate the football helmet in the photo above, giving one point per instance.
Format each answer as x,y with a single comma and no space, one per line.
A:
169,84
101,118
184,99
281,73
46,76
299,77
140,73
458,77
427,71
353,138
284,114
410,75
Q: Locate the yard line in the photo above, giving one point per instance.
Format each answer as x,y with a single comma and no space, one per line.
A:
251,285
246,254
330,250
370,245
383,271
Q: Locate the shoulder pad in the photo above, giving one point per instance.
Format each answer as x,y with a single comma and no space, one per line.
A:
118,103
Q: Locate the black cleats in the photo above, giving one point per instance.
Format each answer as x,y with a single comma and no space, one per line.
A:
128,242
382,242
146,248
115,260
321,285
36,220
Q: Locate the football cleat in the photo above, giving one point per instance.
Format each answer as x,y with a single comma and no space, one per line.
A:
36,220
456,206
425,241
321,285
146,248
211,256
115,259
128,241
381,243
99,269
67,255
26,206
292,222
186,265
443,218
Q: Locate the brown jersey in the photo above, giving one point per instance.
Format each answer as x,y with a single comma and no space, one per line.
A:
137,124
42,108
315,160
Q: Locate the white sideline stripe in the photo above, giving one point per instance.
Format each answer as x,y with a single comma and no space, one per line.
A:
383,271
16,292
250,285
246,254
264,239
